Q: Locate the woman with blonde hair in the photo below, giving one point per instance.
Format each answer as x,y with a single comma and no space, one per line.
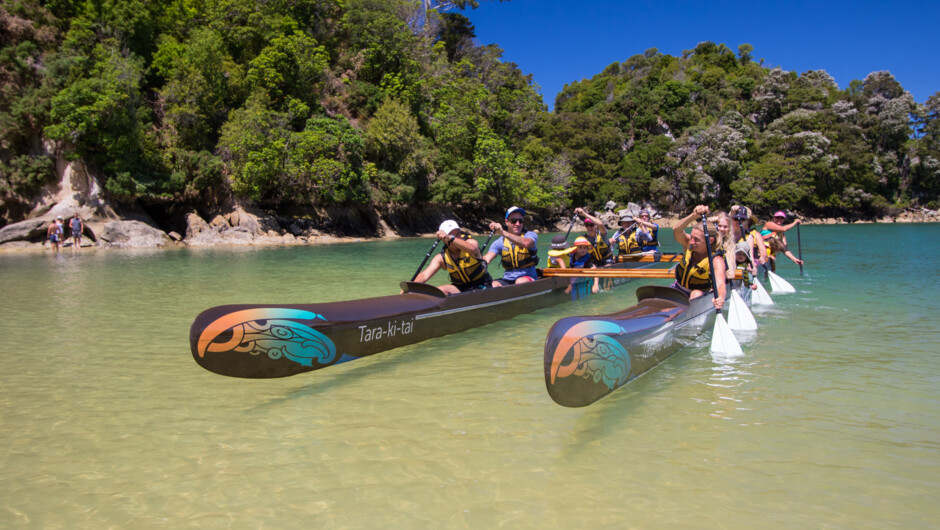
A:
726,241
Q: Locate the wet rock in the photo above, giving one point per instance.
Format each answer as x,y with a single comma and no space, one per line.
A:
132,234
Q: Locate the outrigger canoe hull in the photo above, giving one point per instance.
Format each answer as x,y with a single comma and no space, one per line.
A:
266,341
588,357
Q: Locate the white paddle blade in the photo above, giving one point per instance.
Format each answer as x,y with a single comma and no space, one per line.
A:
739,316
724,343
779,285
760,296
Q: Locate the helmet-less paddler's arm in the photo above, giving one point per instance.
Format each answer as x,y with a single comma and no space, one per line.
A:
468,245
678,231
601,227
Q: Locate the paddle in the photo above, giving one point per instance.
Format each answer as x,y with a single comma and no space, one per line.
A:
723,340
570,226
428,255
760,296
486,264
778,284
669,274
799,248
739,316
483,248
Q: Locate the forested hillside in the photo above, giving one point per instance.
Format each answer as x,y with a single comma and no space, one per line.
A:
387,104
713,125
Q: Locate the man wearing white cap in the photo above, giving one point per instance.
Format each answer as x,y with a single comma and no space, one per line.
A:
461,258
517,248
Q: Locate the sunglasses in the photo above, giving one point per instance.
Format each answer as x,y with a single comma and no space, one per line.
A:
514,220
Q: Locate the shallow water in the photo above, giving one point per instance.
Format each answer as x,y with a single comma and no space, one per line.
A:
831,420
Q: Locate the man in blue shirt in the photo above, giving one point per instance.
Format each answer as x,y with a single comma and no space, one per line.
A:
517,248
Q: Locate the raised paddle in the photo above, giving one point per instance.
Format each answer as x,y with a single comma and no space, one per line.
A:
799,248
428,255
486,264
483,248
723,340
570,226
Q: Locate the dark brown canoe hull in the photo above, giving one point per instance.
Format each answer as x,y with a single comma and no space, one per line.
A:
586,358
265,341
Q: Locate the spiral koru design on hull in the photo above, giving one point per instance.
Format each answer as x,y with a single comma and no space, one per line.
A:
593,354
274,332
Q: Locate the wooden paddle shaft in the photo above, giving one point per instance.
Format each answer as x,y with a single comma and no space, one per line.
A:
617,273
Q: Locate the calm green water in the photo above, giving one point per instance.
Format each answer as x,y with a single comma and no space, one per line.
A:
831,420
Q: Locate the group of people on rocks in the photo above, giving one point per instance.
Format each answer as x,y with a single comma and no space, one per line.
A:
55,232
733,239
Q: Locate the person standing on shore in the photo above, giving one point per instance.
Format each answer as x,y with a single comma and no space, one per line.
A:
517,248
76,226
54,233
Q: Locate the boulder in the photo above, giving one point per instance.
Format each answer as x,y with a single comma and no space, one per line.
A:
198,232
132,234
28,230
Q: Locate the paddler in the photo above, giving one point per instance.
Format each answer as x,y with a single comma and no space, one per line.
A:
744,230
625,241
461,258
597,236
742,258
647,232
559,257
692,272
582,258
779,231
517,248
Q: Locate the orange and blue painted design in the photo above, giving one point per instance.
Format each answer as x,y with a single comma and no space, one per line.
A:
587,350
274,332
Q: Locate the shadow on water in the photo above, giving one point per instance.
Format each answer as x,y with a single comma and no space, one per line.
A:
340,376
608,416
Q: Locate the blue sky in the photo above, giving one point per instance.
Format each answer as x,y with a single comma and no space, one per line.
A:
563,41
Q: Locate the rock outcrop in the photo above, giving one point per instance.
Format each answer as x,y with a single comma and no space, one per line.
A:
132,234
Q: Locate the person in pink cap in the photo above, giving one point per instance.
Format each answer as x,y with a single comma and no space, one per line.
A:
779,231
597,236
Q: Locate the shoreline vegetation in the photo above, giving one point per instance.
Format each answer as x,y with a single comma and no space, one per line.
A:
272,123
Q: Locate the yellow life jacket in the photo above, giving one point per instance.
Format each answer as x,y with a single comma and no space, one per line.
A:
766,239
553,260
693,276
514,257
467,270
755,246
628,244
745,274
600,249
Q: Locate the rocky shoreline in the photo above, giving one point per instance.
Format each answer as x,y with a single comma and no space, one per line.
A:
245,225
240,228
